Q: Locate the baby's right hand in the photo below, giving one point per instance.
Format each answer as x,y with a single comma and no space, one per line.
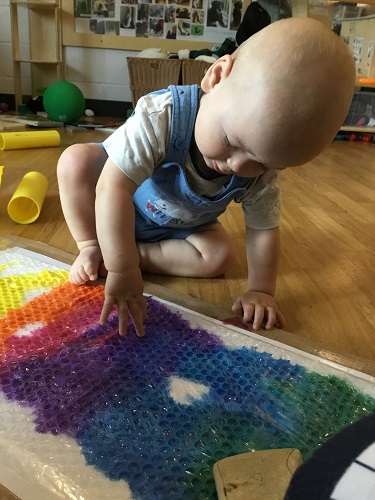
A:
125,290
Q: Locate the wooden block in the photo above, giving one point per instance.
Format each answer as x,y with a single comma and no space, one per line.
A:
256,475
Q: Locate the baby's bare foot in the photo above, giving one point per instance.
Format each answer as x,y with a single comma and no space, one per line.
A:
87,266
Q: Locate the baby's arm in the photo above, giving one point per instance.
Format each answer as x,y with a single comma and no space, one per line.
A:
258,303
115,228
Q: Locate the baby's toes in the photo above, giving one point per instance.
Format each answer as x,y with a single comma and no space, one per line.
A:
102,270
78,276
89,272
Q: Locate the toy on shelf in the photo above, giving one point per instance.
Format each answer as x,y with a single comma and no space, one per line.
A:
367,81
354,136
4,108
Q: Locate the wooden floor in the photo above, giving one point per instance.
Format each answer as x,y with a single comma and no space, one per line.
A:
326,285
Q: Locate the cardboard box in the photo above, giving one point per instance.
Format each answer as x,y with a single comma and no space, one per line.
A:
359,34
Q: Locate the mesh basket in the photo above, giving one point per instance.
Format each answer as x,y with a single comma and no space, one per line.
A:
148,74
193,71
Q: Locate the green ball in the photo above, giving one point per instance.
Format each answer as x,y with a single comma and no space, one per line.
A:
63,101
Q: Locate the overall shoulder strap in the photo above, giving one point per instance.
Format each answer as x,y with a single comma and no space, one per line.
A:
184,109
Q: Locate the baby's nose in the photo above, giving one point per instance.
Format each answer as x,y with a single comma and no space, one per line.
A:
236,160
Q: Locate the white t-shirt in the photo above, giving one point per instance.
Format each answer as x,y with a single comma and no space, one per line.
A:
140,145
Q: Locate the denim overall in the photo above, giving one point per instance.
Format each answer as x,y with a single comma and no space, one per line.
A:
166,198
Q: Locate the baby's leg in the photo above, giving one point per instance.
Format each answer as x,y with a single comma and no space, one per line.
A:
205,254
78,171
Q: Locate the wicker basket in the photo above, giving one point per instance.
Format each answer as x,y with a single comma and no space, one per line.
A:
146,75
193,71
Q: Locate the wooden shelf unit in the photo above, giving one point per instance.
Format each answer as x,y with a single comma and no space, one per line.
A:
360,85
44,51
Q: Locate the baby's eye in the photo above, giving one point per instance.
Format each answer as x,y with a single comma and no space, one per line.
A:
226,142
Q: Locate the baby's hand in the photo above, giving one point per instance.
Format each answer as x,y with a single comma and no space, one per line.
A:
125,290
258,306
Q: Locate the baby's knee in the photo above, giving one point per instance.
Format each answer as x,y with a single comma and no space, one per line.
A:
69,160
75,163
220,261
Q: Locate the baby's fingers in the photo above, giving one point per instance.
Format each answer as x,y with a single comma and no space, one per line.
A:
138,313
271,318
237,307
258,316
106,310
280,320
123,316
275,318
249,311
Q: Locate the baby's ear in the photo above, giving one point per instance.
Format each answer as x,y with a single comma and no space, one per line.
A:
218,71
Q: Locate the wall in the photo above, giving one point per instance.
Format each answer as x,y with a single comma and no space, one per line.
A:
100,73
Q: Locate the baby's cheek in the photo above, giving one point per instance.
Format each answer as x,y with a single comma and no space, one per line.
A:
252,170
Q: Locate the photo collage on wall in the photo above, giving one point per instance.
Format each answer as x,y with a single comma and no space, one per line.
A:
204,20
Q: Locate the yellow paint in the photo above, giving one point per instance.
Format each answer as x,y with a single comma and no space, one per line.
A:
13,289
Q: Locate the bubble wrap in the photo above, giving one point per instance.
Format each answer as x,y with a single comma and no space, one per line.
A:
87,414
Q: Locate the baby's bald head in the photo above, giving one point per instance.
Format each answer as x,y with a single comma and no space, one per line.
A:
303,77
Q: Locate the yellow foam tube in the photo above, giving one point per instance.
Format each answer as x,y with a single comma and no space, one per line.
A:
1,173
21,140
27,200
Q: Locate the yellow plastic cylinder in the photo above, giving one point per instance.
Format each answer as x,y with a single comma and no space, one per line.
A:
27,200
32,139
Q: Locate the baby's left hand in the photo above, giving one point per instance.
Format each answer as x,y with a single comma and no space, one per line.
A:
258,306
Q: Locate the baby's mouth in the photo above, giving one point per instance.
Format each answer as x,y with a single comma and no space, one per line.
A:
223,171
214,164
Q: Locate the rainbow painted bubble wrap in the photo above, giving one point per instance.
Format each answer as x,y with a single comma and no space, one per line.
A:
88,414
